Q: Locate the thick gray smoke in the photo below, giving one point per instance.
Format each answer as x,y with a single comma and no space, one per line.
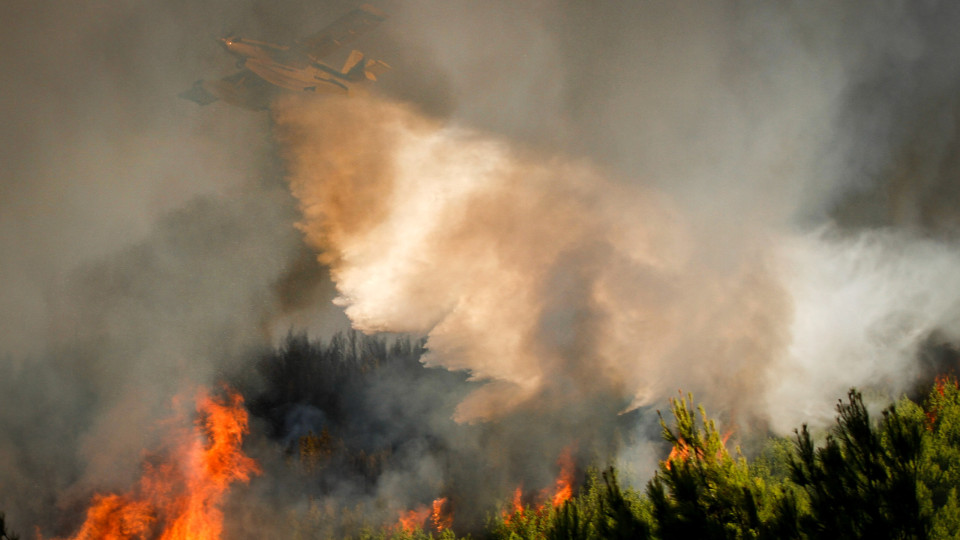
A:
646,197
147,243
571,200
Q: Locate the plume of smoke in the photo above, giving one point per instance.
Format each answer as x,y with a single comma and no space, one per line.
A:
534,273
865,306
726,135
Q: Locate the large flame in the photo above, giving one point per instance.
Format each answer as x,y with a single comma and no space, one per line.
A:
180,498
437,516
413,520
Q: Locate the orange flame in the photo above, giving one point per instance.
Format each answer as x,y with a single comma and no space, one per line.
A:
116,517
726,437
940,385
413,520
183,494
679,452
563,488
515,508
561,492
682,451
438,514
441,516
517,500
941,381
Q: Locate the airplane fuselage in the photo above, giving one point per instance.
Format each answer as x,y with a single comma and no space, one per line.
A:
268,67
285,66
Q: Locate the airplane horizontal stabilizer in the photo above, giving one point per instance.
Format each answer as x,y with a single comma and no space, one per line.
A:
357,67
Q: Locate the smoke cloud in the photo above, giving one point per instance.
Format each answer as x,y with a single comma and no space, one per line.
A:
645,205
535,273
147,244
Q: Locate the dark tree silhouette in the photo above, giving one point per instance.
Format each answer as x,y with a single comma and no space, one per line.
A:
862,483
4,533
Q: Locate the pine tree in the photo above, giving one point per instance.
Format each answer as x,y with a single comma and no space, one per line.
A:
863,482
701,491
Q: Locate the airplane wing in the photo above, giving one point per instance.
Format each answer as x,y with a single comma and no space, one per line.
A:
340,32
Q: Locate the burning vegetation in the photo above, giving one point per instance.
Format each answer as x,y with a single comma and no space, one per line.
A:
547,498
360,411
893,475
437,517
181,490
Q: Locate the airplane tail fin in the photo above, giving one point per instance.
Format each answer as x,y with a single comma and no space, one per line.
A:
357,67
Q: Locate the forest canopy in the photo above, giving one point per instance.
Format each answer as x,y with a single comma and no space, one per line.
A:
325,419
889,475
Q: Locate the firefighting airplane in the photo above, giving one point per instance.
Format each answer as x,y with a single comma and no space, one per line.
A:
297,67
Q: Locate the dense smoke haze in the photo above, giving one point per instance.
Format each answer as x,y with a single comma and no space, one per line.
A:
581,207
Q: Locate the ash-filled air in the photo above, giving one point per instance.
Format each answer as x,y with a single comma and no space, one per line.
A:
582,207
